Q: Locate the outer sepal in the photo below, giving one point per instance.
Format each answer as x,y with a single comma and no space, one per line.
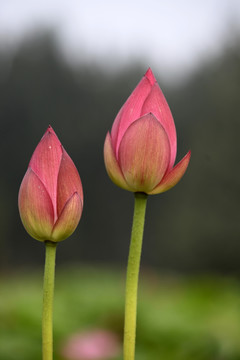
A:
173,176
35,206
112,166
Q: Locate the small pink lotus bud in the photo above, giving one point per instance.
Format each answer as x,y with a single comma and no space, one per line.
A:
140,152
50,198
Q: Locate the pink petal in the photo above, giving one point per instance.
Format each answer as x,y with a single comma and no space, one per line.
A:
129,112
45,163
35,207
144,154
156,104
172,177
68,219
68,182
111,164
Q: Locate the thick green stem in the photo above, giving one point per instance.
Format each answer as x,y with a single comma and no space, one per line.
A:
132,276
48,293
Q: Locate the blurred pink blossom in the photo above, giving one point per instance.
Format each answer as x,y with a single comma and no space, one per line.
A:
92,345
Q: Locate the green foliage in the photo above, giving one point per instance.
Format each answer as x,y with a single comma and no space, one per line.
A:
178,319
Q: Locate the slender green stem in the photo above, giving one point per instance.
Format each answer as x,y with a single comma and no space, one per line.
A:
48,293
132,276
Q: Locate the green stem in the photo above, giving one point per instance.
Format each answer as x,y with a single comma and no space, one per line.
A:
132,276
48,293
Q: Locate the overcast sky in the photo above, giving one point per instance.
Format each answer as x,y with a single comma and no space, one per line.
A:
172,34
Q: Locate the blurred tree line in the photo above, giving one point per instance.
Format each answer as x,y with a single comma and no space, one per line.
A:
193,227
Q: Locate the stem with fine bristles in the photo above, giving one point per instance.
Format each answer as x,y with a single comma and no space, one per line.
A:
133,275
48,294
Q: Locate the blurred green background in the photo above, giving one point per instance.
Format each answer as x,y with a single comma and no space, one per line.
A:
179,318
189,304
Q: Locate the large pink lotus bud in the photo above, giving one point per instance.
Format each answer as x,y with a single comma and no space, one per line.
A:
51,196
140,152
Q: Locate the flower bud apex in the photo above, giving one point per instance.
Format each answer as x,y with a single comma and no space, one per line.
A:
50,198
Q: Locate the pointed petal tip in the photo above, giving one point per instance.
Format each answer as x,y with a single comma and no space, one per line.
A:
50,130
149,75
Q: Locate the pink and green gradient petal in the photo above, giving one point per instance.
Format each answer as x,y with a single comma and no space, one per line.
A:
68,182
173,176
68,219
112,166
144,154
35,207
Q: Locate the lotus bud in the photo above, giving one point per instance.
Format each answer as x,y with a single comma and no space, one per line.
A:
50,198
140,151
